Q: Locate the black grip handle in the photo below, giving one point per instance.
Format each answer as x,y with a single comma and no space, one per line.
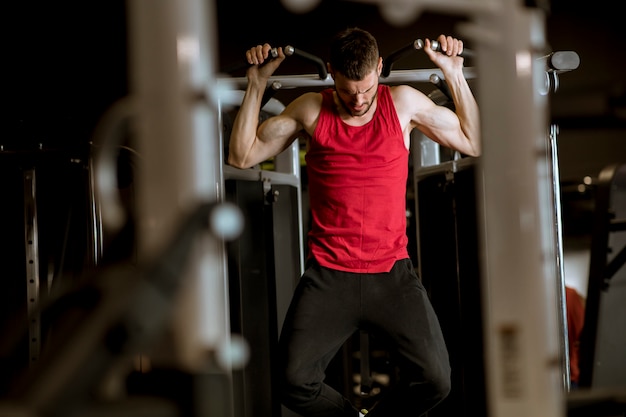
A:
400,53
416,45
289,51
246,65
436,46
319,63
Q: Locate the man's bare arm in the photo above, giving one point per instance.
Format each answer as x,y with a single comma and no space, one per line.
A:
464,133
250,143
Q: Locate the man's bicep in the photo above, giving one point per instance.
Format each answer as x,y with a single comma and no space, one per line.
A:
276,133
442,125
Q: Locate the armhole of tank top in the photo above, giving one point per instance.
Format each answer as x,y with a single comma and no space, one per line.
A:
327,98
391,107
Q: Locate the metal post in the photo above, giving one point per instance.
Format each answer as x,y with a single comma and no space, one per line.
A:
172,50
31,245
523,357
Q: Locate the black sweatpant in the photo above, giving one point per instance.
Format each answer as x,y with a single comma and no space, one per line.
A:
328,306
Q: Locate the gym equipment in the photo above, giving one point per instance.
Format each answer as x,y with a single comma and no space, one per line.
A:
120,312
264,263
174,87
602,343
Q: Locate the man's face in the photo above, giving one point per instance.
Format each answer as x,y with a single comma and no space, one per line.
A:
357,97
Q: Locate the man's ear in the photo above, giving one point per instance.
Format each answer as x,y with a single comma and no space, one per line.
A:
380,65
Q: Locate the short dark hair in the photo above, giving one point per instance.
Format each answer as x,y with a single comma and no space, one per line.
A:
354,53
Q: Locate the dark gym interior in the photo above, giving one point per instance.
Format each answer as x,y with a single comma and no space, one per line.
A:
70,289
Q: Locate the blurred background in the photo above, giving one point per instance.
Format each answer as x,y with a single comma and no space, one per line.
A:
67,62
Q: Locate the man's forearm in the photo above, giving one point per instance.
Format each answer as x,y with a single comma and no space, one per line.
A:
245,126
467,111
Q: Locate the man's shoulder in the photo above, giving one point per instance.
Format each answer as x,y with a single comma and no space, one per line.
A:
404,95
309,101
306,109
402,89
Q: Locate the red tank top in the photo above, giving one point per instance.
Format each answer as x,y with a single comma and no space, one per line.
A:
357,188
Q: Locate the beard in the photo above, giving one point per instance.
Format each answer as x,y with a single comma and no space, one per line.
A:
360,112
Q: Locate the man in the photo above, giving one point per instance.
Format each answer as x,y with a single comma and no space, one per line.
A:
359,274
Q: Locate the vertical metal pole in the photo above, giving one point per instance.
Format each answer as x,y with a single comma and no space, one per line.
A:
95,216
523,365
172,79
558,222
289,162
31,242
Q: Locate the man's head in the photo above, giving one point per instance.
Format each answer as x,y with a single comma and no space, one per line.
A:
354,54
355,65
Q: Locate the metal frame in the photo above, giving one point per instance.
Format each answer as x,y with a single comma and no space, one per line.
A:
523,356
31,246
314,80
174,82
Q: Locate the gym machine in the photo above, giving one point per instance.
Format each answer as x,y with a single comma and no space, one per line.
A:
176,279
264,262
447,227
176,97
371,357
602,364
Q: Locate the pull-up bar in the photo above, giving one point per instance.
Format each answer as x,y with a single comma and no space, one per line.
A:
313,80
322,77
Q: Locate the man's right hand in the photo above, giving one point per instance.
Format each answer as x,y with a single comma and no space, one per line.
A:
262,63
